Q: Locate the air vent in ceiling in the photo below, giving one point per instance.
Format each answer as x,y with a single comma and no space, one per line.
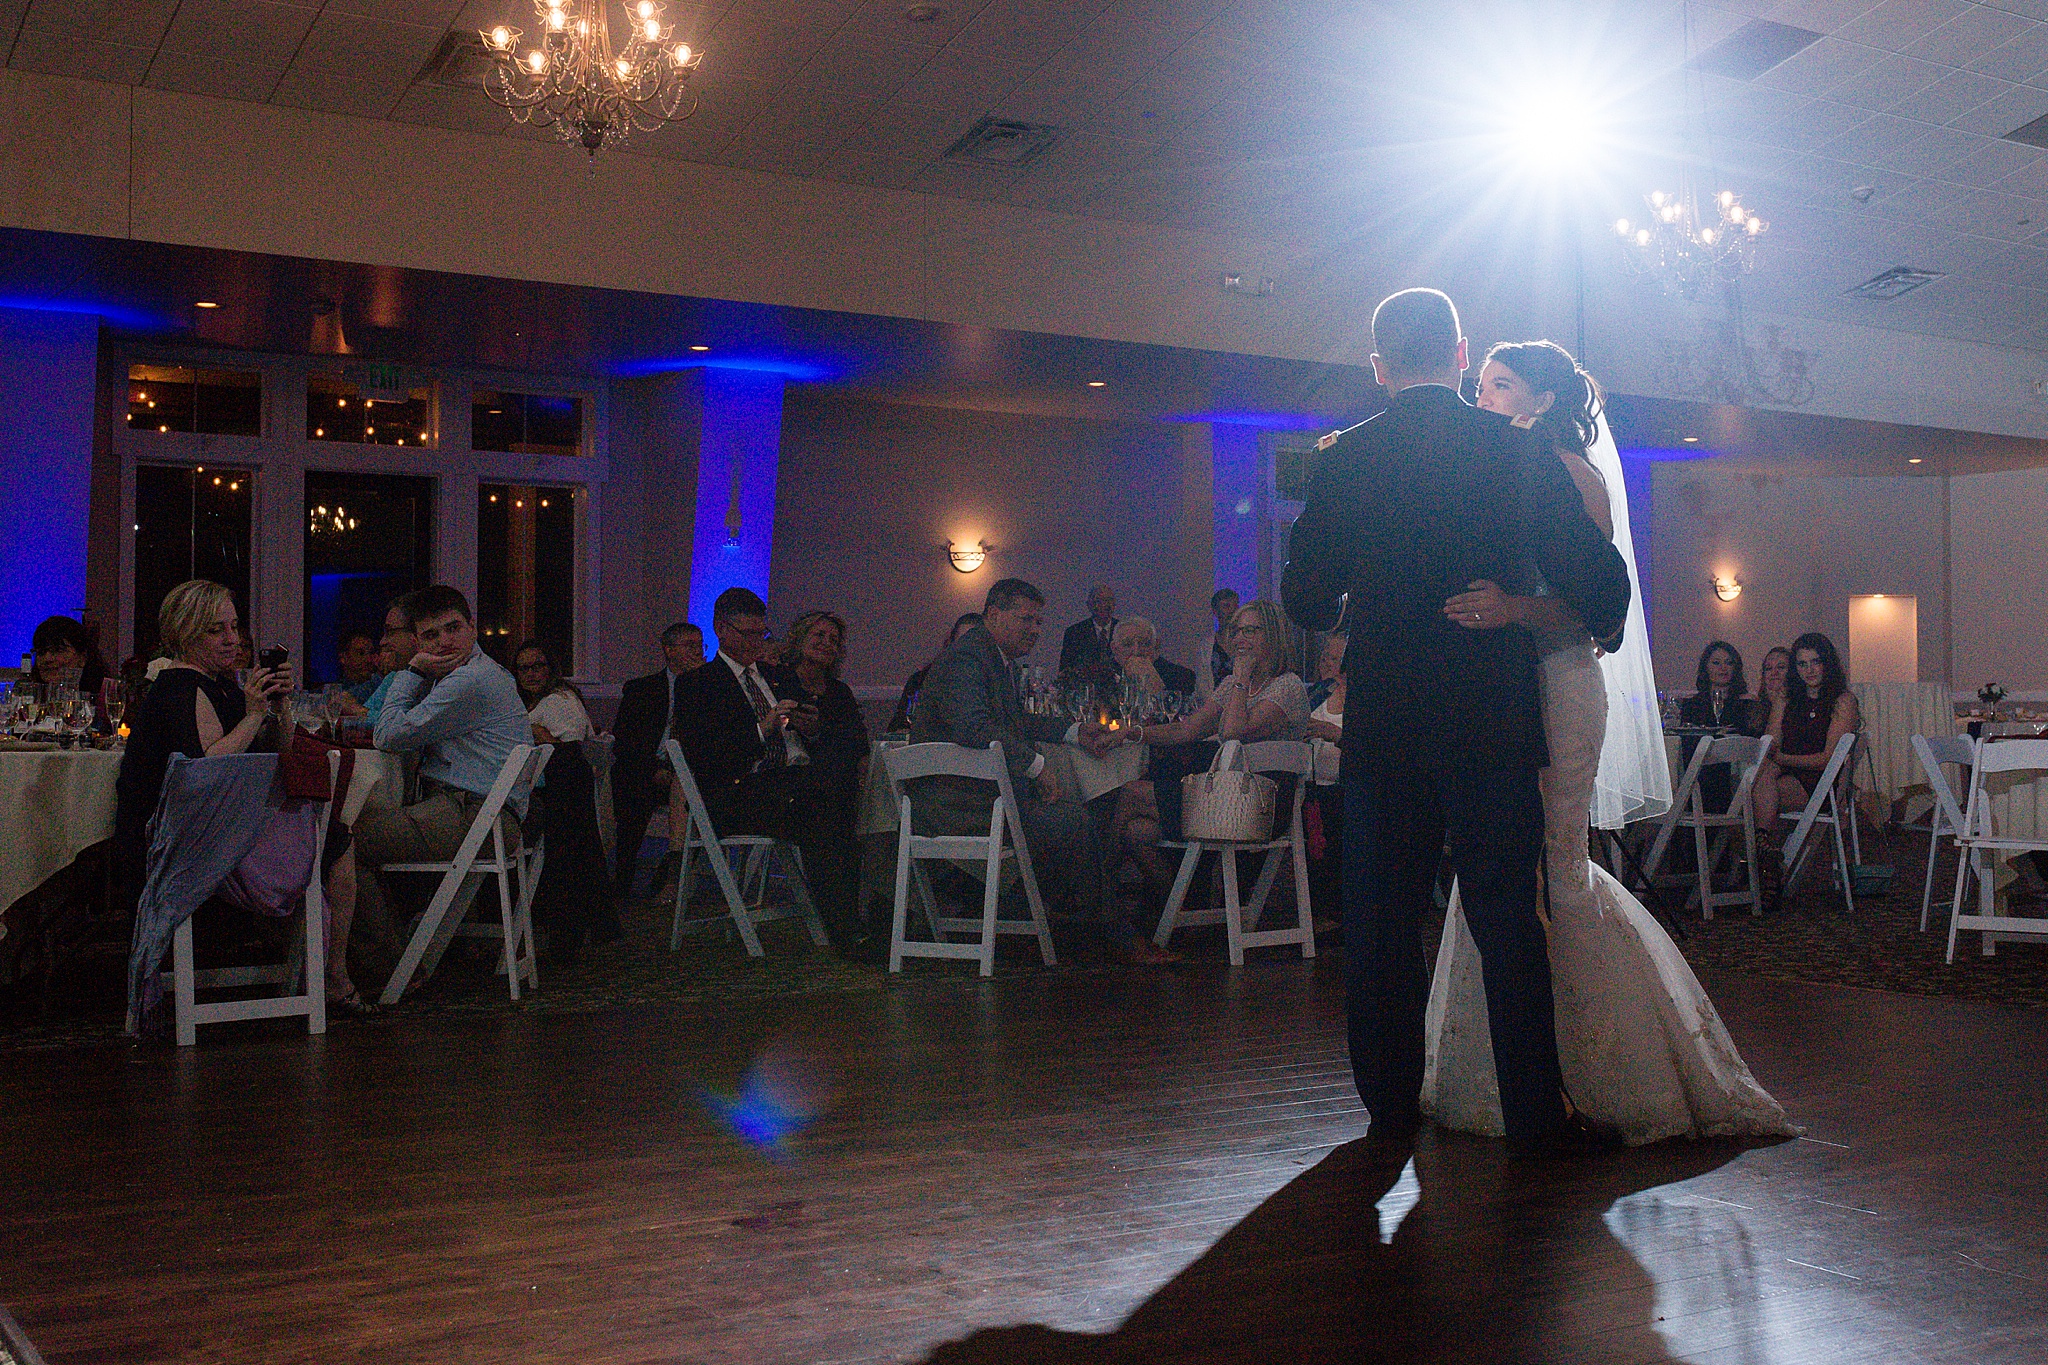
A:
1003,142
1900,279
459,60
2034,134
1753,49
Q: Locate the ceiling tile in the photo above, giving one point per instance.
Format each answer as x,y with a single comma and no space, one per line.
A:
1760,114
2024,58
887,21
774,154
1936,154
2032,9
1921,200
65,54
1024,31
751,43
1884,85
437,14
1898,24
348,61
860,64
1969,36
1821,16
458,108
127,23
1953,95
239,30
856,165
305,87
1994,161
2016,108
950,79
2029,181
811,116
1817,124
1874,138
189,73
1820,67
901,130
1990,214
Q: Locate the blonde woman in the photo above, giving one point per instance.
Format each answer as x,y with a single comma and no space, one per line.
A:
1262,697
195,707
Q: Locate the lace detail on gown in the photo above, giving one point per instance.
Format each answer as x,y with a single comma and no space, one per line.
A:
1641,1045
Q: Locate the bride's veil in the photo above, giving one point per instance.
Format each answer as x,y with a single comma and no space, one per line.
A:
1634,782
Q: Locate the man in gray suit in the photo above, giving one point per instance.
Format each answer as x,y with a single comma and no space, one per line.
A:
970,698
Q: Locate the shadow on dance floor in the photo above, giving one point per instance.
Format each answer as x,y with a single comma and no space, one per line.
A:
1462,1255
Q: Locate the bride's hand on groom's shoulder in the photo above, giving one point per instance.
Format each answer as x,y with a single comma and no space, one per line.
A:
1483,606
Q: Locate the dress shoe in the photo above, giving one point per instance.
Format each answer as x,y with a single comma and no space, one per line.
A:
1143,952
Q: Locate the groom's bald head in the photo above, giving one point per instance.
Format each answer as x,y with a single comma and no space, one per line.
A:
1416,339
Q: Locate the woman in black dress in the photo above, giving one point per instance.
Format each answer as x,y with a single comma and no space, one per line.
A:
833,730
1719,699
899,720
195,707
1805,719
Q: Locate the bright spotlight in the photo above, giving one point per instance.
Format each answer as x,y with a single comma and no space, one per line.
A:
1555,128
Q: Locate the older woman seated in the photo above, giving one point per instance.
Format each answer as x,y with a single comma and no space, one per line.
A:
1261,698
194,707
570,903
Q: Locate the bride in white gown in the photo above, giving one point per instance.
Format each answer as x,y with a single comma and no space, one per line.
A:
1641,1046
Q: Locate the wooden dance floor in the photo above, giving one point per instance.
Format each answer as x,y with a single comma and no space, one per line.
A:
1094,1166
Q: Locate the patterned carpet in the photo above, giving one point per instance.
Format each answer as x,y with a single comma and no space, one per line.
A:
1811,939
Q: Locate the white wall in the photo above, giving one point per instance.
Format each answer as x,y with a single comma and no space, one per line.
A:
1801,547
2000,534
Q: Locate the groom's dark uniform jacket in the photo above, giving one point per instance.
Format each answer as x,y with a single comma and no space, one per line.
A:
1406,511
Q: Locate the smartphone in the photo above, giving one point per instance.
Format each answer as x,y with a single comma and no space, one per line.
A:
273,656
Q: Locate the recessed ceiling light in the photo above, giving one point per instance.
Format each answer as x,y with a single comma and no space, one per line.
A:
1914,460
922,14
700,348
1862,193
1096,383
1691,440
206,303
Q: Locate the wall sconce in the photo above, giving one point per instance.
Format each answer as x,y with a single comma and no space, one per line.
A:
1727,587
966,558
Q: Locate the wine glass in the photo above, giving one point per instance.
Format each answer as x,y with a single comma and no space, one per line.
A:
79,721
114,700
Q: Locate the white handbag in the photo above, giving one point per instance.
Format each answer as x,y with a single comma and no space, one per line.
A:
1227,804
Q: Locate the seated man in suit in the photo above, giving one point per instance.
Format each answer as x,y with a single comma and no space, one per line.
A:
1087,642
970,698
743,735
640,775
1134,653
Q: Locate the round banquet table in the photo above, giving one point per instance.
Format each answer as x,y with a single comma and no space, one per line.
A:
54,804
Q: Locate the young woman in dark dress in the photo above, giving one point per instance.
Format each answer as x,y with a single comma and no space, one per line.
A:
1720,698
195,707
1805,719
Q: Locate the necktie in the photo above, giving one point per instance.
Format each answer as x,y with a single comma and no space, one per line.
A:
772,750
668,726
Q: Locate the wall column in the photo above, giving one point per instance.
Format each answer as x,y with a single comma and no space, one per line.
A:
1236,493
46,427
739,445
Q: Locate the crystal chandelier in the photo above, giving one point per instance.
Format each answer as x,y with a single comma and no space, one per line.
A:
1688,250
575,83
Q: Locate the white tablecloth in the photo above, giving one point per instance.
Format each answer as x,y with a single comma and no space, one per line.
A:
1892,714
53,806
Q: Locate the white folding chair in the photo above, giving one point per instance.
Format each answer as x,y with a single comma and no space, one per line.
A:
1688,808
991,850
462,877
752,909
1266,756
1979,838
1946,817
1824,807
305,967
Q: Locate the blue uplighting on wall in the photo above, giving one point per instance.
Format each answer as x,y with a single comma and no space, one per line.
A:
132,318
50,357
1237,468
1263,421
798,371
736,465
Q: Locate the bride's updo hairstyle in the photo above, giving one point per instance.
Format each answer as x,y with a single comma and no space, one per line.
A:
1546,367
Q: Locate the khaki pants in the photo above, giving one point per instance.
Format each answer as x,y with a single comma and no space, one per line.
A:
428,831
